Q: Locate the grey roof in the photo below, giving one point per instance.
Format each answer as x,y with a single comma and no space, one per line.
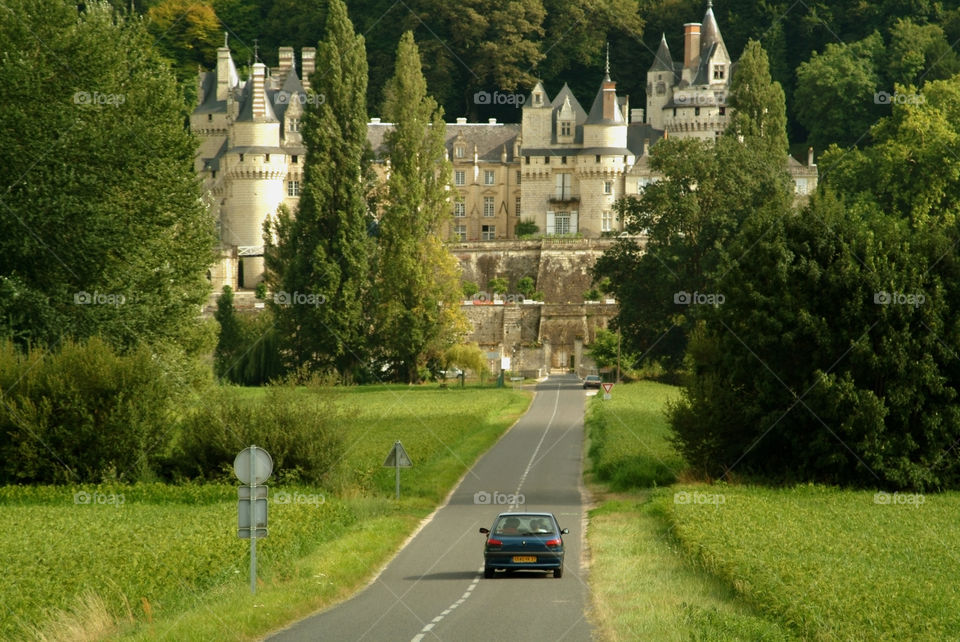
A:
578,110
489,139
246,105
281,97
709,31
662,61
637,133
208,94
596,111
258,150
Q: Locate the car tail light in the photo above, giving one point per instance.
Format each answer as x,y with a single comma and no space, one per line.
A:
494,542
553,542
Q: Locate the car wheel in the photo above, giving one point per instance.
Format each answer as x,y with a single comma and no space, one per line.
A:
558,572
488,572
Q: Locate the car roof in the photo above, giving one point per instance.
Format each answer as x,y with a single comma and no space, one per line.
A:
526,515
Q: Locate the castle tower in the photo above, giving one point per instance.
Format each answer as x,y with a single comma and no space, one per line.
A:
606,124
537,112
660,81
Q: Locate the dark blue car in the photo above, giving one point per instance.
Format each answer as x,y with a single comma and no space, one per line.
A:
524,541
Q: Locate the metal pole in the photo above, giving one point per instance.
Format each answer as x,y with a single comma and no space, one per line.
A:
618,354
396,464
253,521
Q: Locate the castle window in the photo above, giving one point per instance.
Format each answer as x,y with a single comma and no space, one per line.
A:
606,221
674,111
458,151
294,159
459,178
696,111
488,232
294,124
565,128
518,177
561,223
597,158
608,187
488,206
546,160
460,232
517,206
459,208
538,99
209,117
563,185
293,188
661,89
526,159
563,160
266,158
489,178
718,72
213,174
241,158
723,111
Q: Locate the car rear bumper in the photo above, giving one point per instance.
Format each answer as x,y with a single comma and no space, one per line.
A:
545,560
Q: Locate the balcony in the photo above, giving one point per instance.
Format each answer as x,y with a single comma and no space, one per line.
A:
563,199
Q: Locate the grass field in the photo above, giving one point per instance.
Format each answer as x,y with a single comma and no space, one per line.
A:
148,560
728,562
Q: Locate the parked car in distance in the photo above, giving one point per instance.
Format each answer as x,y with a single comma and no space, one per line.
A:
592,381
524,541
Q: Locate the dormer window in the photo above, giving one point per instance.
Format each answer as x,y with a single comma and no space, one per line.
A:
459,151
565,128
538,99
718,72
294,124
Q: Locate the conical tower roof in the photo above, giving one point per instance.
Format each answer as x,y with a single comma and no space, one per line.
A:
662,61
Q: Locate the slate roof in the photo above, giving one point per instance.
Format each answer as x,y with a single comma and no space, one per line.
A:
489,139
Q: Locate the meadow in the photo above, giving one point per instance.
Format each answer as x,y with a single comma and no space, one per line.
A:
145,560
736,561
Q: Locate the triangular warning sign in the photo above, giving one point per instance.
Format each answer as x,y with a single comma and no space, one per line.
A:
606,388
397,457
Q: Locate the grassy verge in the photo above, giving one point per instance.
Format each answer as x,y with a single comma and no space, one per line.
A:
148,560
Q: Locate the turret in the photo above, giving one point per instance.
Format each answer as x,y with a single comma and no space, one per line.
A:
660,80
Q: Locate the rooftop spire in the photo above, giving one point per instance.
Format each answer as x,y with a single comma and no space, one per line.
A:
607,68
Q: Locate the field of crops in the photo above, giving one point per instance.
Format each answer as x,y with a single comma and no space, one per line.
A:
145,551
833,564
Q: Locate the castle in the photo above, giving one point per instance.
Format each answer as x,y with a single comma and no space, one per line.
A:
561,168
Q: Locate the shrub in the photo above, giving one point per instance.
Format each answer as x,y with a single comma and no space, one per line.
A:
86,412
296,428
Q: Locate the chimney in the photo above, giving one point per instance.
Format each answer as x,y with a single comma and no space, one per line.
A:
286,62
199,85
374,121
224,69
625,110
491,121
461,120
646,146
691,45
308,62
610,106
810,156
259,95
636,115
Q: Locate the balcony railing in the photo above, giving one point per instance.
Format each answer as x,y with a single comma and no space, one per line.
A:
567,198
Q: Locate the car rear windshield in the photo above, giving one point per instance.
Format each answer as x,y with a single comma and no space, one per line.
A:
525,525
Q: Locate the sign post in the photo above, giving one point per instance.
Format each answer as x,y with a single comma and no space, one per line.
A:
606,390
397,458
253,467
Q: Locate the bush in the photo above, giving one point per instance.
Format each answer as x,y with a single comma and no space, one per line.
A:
296,428
526,228
86,413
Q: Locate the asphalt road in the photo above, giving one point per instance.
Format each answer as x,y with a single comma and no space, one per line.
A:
434,588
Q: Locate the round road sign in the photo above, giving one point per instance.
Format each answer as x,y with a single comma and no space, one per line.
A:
262,460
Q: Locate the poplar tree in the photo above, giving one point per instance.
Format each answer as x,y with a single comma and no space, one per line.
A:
318,261
760,112
418,286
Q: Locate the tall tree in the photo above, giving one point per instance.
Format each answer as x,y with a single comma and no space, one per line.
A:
318,262
760,112
104,228
418,285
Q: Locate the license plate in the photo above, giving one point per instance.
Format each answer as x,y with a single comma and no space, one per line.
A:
519,559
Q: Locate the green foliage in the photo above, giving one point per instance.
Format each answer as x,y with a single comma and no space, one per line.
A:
248,351
469,289
261,291
498,285
603,350
467,356
299,431
108,235
760,117
526,286
85,412
323,254
417,287
527,227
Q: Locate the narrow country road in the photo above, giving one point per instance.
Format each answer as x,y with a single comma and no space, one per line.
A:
434,588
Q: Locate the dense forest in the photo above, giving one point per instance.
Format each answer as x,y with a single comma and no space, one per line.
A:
830,56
